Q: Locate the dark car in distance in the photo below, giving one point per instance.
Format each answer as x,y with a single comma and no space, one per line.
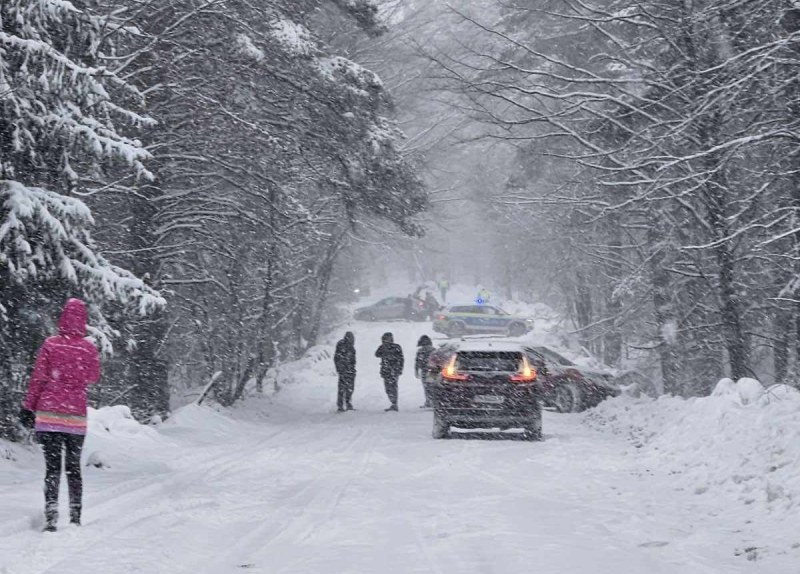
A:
393,308
484,385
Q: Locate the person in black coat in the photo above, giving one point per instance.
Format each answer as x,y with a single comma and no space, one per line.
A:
431,305
391,356
424,350
345,361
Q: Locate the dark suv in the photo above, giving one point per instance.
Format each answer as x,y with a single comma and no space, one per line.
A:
484,384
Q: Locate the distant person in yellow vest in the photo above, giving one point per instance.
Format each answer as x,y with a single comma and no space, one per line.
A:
483,296
444,285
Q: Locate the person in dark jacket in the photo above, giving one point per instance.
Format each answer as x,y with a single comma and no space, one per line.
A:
424,350
345,361
391,356
431,305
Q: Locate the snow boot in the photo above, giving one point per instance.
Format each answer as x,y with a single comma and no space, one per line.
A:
350,407
75,515
50,519
391,408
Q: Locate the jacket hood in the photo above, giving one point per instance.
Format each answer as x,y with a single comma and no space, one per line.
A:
73,319
349,338
387,338
424,341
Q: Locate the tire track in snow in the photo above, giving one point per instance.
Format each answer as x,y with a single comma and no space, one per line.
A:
136,502
317,501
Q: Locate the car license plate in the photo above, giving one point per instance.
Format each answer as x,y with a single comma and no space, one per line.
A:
488,399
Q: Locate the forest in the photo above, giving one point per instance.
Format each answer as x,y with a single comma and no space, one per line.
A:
191,169
212,176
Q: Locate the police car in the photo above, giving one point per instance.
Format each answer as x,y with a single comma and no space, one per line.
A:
461,320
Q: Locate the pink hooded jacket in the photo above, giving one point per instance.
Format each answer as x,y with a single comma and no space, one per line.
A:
65,366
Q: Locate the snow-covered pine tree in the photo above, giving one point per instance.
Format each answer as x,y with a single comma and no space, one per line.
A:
64,118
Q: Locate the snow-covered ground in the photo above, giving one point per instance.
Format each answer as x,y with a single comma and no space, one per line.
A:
283,484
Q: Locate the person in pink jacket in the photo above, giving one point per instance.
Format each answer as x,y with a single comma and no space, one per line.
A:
56,403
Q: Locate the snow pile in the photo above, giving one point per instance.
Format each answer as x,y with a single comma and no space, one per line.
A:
742,442
13,455
356,78
315,364
248,48
114,437
294,37
208,416
117,421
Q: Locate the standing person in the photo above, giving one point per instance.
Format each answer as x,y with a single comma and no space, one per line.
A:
408,308
444,285
345,361
424,350
56,406
391,356
431,305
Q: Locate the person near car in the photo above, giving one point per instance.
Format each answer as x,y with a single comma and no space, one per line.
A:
424,350
431,305
409,307
391,356
344,359
444,285
483,296
56,403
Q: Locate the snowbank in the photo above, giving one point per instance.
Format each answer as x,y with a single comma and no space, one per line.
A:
112,435
118,421
742,442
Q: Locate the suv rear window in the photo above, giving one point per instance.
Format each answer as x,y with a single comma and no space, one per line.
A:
474,361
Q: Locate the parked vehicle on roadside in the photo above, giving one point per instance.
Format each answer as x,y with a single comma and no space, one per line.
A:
562,385
459,320
483,384
393,308
568,388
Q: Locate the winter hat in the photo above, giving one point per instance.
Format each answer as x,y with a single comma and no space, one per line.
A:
73,319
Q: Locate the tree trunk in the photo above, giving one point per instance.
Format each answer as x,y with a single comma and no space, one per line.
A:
150,380
664,312
730,306
612,339
780,350
583,308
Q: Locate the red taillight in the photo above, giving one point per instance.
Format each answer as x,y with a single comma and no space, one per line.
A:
526,374
450,373
442,317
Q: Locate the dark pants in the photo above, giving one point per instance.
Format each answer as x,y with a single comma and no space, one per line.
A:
58,445
347,383
425,390
390,384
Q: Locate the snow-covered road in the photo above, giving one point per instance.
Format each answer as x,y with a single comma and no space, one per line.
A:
286,485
